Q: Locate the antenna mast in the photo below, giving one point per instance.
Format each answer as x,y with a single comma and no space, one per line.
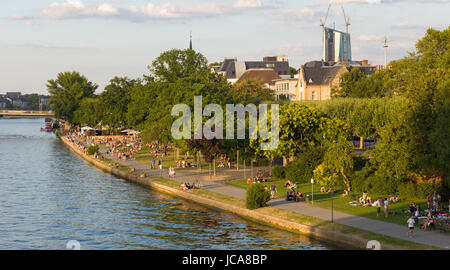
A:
385,46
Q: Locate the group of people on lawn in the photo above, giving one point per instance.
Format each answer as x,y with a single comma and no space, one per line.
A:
434,211
291,195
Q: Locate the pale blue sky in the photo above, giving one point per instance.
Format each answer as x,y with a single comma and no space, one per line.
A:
107,38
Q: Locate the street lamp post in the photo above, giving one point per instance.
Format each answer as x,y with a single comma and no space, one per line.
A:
312,190
332,193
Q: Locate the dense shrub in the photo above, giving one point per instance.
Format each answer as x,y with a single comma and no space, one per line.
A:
279,172
408,190
297,174
93,149
359,163
358,181
301,169
424,189
257,196
380,185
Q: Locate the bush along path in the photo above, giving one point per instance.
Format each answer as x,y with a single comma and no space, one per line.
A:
436,239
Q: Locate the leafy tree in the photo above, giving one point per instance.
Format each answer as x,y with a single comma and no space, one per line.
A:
422,78
349,81
115,100
293,72
90,112
210,149
339,157
322,175
215,64
251,92
67,92
375,86
298,124
176,64
302,168
32,101
142,97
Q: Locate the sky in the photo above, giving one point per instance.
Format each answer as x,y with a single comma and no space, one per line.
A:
102,39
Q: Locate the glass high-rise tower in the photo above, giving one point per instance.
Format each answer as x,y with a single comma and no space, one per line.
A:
336,46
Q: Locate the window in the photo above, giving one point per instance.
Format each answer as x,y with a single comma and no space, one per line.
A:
314,96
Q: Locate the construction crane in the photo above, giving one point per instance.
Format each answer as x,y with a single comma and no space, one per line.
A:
322,23
385,46
347,43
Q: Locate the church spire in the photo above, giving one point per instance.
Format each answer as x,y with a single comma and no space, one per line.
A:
190,43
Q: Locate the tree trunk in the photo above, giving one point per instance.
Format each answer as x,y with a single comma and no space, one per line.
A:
361,143
284,161
347,183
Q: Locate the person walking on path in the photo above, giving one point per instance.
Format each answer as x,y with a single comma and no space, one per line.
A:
153,163
386,207
273,191
411,223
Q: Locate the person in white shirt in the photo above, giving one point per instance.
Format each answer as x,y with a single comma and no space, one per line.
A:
386,207
411,223
378,204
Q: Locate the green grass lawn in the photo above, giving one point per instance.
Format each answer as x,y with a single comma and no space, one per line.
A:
397,210
146,156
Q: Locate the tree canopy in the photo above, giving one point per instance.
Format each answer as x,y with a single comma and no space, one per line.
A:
67,91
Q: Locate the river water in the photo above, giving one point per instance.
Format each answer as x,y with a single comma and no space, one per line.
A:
49,196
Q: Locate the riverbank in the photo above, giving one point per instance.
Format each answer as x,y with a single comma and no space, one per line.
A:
336,233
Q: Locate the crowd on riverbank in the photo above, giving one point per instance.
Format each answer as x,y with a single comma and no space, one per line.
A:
118,147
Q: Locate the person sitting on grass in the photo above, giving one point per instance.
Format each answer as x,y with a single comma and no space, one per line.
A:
368,202
300,196
249,181
393,199
288,184
345,193
186,186
322,190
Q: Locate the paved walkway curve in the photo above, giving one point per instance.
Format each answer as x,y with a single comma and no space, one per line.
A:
437,239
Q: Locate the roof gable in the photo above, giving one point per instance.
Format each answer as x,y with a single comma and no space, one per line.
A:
317,74
266,75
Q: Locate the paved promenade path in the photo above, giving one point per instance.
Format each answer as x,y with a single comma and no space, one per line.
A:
436,239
